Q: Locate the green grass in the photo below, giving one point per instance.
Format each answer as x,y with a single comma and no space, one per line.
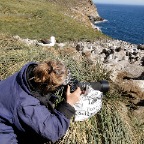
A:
42,19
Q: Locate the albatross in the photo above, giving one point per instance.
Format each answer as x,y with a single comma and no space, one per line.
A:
46,42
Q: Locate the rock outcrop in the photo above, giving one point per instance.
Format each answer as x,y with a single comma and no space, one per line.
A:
124,60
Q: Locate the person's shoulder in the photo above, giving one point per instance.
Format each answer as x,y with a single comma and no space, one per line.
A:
27,99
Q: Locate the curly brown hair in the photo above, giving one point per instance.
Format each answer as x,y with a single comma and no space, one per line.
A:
49,75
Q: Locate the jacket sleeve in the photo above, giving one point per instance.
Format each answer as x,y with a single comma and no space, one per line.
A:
51,126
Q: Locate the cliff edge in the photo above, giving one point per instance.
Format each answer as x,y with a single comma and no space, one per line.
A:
83,11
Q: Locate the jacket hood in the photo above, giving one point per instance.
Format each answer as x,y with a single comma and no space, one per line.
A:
22,78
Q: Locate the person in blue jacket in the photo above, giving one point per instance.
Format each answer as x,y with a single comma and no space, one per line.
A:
23,116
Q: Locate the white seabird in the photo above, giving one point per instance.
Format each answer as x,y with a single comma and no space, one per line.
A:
46,42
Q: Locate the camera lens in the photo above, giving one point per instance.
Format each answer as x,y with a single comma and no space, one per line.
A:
102,85
105,86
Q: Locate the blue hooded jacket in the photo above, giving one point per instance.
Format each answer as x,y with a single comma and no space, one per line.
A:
19,109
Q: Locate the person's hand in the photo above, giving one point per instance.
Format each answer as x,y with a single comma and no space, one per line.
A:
73,97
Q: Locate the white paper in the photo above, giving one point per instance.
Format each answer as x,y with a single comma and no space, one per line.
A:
90,103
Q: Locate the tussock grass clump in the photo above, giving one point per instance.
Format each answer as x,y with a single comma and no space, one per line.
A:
107,127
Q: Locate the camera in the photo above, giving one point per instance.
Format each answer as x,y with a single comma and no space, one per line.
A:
102,85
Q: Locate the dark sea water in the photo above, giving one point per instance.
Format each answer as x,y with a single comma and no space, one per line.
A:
122,22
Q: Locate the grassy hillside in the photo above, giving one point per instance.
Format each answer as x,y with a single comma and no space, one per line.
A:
37,19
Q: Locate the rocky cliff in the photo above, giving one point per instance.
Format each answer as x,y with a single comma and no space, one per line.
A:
83,11
87,8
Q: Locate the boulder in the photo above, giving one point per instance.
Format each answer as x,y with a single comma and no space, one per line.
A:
140,46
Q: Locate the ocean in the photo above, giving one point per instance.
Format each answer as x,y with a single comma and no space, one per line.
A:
122,22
